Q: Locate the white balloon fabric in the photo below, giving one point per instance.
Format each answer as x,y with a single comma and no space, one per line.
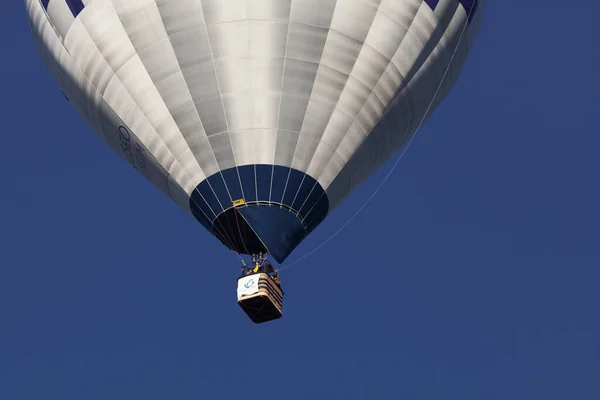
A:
256,116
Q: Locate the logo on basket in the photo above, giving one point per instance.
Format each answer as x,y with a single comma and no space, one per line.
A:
249,283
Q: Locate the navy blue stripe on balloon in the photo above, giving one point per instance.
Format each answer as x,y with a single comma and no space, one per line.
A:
233,183
217,183
76,6
303,193
248,183
278,186
263,181
293,183
204,198
318,216
432,3
470,6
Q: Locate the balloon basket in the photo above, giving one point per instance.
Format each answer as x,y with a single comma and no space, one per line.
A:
260,297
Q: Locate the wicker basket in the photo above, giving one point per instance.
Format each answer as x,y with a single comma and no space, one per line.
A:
266,303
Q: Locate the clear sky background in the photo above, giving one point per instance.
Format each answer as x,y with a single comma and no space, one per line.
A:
473,274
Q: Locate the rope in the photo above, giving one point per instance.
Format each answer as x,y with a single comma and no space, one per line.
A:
401,154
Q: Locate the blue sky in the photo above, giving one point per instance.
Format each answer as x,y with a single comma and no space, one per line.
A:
473,274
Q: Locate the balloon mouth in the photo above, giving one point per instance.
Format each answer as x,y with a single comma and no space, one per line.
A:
260,208
232,229
260,228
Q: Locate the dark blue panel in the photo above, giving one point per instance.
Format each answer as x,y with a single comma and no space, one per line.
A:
201,209
263,181
280,175
312,199
293,185
218,186
280,230
208,195
305,189
248,182
258,228
322,204
232,181
432,3
234,232
470,6
76,6
317,216
201,212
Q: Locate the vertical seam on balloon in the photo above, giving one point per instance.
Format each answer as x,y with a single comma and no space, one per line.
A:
306,111
298,191
212,58
306,199
287,42
272,173
191,97
226,120
249,60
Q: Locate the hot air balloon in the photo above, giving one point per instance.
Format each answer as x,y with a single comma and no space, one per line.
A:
258,117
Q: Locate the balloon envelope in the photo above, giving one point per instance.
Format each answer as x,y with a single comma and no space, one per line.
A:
256,116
